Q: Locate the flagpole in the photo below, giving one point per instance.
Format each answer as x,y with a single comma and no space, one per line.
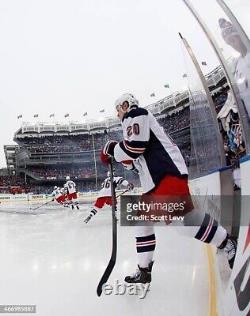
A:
102,112
52,117
20,116
84,115
67,116
36,117
167,86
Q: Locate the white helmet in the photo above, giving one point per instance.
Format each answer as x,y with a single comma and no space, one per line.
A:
55,187
67,178
126,97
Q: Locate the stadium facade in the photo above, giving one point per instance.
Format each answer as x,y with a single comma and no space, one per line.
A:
45,153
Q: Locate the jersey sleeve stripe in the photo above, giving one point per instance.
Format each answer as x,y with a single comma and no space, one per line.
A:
137,143
133,149
131,154
120,181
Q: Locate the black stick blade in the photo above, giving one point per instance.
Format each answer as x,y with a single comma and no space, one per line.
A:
105,276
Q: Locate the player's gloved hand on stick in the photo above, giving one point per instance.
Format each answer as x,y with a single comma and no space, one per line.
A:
129,165
108,151
130,186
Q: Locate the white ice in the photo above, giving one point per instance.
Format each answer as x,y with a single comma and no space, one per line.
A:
54,260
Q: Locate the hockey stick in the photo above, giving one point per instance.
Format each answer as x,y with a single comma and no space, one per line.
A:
112,260
35,208
123,192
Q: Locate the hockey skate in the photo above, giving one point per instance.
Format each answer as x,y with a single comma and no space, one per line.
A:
92,213
229,245
142,275
77,205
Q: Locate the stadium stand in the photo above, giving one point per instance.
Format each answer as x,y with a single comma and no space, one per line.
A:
46,153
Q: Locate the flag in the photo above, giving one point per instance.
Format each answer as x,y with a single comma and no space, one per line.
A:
35,115
66,115
85,114
52,115
19,116
184,76
204,63
102,111
166,85
152,94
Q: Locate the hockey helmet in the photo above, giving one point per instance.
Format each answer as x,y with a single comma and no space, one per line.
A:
126,97
67,178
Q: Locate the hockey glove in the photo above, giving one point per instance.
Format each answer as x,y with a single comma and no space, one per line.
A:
130,186
129,165
108,151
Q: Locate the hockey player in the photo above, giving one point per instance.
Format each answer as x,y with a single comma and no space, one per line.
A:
163,172
70,187
241,70
104,196
59,195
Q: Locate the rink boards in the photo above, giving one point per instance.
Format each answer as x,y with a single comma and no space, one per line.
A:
33,198
223,297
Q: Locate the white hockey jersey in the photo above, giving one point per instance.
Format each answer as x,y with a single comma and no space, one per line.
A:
57,193
106,185
153,151
70,186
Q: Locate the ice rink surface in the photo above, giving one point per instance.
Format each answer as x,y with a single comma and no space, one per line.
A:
54,260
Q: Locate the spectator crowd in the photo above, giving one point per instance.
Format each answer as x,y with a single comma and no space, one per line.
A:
88,171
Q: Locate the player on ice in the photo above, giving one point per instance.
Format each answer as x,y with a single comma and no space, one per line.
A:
104,196
70,188
163,172
59,195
